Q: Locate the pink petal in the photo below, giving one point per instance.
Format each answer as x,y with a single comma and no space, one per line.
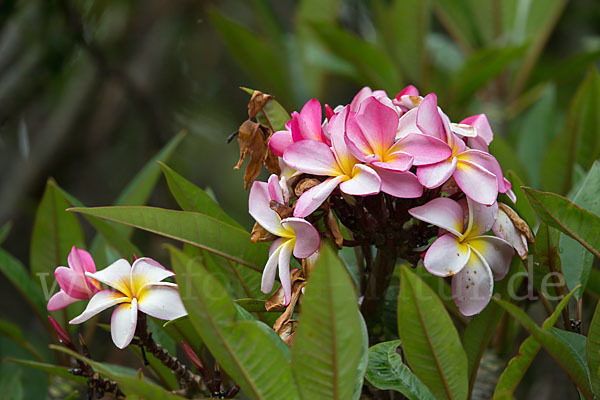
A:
425,149
341,151
481,217
486,161
472,288
329,112
498,253
360,96
398,162
446,256
434,175
378,124
72,283
481,124
307,237
268,275
100,302
443,212
161,300
117,275
478,143
258,206
410,90
400,184
280,141
356,141
315,196
312,117
312,157
81,261
476,182
284,270
60,300
428,117
123,323
275,189
364,182
408,124
146,270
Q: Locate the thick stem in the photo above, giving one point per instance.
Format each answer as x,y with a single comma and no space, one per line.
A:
379,280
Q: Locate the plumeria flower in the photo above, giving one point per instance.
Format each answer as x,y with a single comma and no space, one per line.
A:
476,172
306,125
74,284
296,236
407,99
474,260
477,130
371,135
134,288
337,162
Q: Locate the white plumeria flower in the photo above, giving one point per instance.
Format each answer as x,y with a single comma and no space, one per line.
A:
134,288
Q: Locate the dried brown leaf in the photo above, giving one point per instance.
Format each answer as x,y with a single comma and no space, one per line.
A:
253,139
304,184
333,230
257,103
260,234
519,222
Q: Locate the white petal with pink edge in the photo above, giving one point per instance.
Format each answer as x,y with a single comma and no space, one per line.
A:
435,175
315,196
101,301
307,237
442,212
161,300
472,287
476,182
481,217
312,157
364,182
446,256
284,270
404,185
122,324
260,210
146,270
268,276
117,275
497,252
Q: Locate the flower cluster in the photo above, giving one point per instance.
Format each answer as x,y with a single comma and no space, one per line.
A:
405,152
133,288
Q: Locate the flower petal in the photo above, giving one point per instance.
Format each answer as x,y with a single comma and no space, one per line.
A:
259,208
446,256
312,157
476,182
429,120
442,212
123,323
408,124
504,228
100,302
398,161
312,116
307,237
378,124
472,287
161,300
72,283
146,270
360,96
268,275
284,270
364,182
497,252
275,189
81,261
481,218
435,175
280,141
424,148
60,300
400,184
315,196
341,151
410,90
117,275
481,124
355,139
488,162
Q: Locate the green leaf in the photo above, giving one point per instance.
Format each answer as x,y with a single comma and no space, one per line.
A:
386,371
579,141
273,114
576,344
458,18
519,364
430,341
374,66
554,346
328,342
55,232
18,276
505,154
251,305
256,56
197,229
522,206
50,369
4,231
162,373
15,334
579,259
130,385
11,383
137,193
182,330
560,213
254,358
361,370
593,351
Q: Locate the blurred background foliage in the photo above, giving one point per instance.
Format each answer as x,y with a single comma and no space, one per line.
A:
90,91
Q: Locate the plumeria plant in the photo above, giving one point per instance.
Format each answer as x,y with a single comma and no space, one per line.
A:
391,253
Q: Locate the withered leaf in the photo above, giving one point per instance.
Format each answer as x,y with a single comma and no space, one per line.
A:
257,103
333,230
253,139
305,184
260,234
519,222
282,210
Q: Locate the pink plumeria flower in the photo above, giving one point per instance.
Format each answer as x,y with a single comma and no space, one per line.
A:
306,125
371,135
134,288
474,260
476,172
477,130
74,284
337,162
296,236
407,99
